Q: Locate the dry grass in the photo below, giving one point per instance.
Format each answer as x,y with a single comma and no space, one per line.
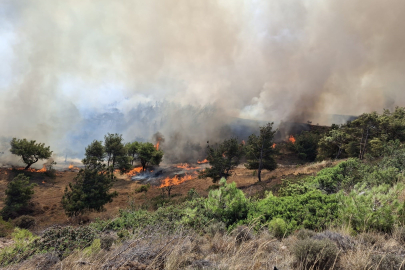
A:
190,250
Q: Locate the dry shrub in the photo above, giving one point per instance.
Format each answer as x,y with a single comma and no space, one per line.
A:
399,235
371,239
242,234
304,234
25,222
388,261
343,242
315,254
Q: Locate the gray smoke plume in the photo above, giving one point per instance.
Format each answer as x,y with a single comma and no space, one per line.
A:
73,70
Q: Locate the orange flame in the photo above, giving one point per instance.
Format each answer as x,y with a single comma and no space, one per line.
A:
43,182
274,145
291,139
71,166
134,171
243,142
175,180
186,166
157,145
202,161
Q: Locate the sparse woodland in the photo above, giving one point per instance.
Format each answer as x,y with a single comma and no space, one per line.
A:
350,215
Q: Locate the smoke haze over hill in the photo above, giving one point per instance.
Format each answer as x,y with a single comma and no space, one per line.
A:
73,70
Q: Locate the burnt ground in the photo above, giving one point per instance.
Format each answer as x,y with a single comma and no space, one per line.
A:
48,211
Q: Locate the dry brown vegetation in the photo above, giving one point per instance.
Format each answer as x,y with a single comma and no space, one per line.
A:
48,211
240,249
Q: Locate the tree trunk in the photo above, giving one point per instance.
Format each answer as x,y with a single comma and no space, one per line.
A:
259,171
28,166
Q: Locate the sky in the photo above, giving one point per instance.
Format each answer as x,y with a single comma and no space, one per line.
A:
62,62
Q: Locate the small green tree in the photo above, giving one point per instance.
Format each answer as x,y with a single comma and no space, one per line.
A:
18,193
90,192
114,148
223,158
148,154
29,151
228,203
94,153
260,151
132,150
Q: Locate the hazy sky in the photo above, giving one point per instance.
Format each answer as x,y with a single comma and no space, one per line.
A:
278,60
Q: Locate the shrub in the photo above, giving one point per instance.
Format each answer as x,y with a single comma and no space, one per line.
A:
64,240
370,209
5,227
25,222
228,203
315,254
18,193
312,210
304,234
343,242
143,188
278,227
242,234
106,242
216,227
388,261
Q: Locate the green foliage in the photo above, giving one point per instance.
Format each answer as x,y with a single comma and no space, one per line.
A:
312,210
94,153
315,254
132,150
20,250
29,151
90,192
278,227
149,155
306,145
142,188
260,152
228,203
365,209
223,158
5,227
344,175
18,194
64,240
364,136
114,148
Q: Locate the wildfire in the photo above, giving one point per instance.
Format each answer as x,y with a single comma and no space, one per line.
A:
273,146
134,171
157,145
186,166
291,139
71,166
202,161
31,169
43,182
243,142
175,180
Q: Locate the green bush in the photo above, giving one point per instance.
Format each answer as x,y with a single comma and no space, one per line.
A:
312,210
143,188
5,227
315,254
18,193
228,203
64,240
278,227
365,209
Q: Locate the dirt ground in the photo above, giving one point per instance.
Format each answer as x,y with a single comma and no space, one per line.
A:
48,192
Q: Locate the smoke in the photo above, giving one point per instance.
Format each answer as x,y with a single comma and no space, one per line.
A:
72,70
